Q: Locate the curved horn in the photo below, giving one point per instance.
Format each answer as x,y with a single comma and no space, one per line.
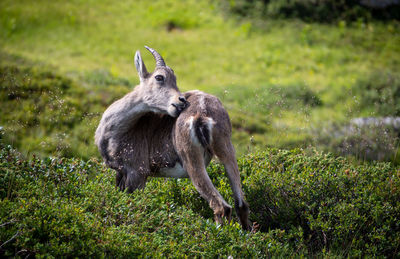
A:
159,60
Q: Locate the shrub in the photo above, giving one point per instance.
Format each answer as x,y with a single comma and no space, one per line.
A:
70,208
305,204
311,10
325,201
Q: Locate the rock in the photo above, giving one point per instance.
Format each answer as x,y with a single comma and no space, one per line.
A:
389,122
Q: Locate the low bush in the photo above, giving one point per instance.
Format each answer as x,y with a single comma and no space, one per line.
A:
315,11
68,207
305,204
324,202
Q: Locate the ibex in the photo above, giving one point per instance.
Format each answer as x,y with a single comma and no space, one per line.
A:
157,131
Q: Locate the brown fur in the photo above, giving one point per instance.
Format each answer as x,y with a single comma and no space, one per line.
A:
143,135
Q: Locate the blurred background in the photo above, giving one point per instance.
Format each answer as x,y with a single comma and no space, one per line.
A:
305,74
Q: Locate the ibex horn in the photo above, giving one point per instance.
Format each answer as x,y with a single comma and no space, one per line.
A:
159,60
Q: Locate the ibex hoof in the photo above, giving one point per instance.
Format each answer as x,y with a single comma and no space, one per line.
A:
225,212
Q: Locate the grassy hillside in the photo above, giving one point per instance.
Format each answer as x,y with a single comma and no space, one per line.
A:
279,80
304,204
285,83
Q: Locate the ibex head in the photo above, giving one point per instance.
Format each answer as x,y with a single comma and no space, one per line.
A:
158,89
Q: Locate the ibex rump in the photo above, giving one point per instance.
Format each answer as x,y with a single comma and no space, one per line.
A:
157,131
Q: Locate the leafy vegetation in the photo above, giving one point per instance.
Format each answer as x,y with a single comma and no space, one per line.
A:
283,82
315,11
309,204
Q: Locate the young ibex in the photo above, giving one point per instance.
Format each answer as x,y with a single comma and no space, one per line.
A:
157,131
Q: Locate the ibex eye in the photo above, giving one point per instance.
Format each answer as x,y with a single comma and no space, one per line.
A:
159,78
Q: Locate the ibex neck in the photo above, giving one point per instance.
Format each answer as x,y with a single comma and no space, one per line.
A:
124,113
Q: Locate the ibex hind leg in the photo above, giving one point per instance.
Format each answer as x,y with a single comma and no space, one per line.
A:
226,154
193,163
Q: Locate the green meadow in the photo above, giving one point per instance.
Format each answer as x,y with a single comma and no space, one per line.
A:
278,79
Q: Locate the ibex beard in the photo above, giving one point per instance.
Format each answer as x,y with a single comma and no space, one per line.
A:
157,131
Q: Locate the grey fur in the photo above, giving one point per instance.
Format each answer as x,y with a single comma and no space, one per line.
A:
156,131
140,67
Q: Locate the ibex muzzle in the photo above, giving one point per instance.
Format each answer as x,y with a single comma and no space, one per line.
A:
157,131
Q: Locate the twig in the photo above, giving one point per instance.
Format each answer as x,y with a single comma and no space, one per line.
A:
11,239
7,223
22,251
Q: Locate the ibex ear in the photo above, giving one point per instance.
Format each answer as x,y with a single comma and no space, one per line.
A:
140,67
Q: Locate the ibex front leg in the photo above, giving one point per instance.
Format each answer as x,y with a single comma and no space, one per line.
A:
129,179
193,163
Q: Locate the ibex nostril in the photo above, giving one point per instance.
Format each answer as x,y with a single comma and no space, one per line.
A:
182,99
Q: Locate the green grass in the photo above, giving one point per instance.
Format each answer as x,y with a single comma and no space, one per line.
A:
92,43
44,113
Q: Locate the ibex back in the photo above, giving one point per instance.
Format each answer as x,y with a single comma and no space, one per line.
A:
157,131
